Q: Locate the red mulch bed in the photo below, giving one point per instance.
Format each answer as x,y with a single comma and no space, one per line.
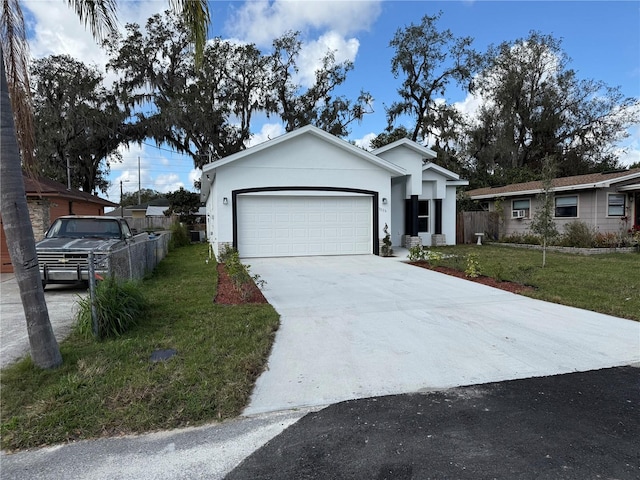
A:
491,282
228,294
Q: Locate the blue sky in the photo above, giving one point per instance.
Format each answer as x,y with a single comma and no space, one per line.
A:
601,37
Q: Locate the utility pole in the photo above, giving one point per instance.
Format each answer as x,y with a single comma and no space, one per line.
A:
139,187
121,203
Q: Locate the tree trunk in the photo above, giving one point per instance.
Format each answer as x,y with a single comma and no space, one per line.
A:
45,352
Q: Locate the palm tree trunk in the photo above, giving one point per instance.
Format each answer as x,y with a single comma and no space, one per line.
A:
45,352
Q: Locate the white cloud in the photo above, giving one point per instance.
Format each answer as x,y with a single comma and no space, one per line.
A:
470,105
127,172
194,175
331,22
312,53
261,21
268,131
57,30
169,182
630,149
365,141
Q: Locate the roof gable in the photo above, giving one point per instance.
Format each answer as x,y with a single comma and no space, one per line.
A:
155,211
425,152
306,130
448,174
577,182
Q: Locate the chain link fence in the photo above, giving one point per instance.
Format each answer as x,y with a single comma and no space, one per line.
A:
137,259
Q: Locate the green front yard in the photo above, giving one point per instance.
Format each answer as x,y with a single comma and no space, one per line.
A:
606,283
112,387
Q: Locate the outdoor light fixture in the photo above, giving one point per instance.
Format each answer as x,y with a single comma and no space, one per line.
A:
384,201
225,200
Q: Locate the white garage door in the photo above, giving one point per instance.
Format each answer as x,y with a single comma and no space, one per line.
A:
285,226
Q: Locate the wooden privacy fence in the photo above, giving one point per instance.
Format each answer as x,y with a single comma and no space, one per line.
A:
470,223
151,223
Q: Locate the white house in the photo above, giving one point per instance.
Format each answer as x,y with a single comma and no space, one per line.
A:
310,193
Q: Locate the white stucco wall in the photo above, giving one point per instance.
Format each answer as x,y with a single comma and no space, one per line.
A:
449,215
398,196
411,161
303,161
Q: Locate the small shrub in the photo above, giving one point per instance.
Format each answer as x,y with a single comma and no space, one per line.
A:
179,236
610,240
499,272
238,272
119,305
416,253
522,238
578,234
226,252
473,266
385,249
420,254
523,274
635,236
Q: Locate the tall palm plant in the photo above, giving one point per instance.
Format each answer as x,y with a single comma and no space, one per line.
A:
16,150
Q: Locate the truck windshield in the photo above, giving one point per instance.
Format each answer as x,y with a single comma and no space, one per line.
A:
84,227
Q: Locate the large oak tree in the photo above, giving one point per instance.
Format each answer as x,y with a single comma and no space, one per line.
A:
535,107
429,60
79,124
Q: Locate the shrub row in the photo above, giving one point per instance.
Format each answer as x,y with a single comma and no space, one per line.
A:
579,235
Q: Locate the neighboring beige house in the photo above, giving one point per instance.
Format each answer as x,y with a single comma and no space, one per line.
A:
48,200
608,202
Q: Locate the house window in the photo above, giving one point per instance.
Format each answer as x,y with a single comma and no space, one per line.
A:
423,215
615,205
520,208
566,207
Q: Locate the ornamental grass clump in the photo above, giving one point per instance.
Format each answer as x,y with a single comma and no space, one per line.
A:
118,306
179,236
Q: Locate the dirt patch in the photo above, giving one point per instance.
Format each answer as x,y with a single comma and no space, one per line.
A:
228,294
512,287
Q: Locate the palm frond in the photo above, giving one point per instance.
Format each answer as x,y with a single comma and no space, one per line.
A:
15,53
196,16
99,15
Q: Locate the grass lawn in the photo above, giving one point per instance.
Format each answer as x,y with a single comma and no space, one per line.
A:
606,283
111,387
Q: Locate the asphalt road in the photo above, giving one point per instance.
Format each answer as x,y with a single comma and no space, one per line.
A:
573,426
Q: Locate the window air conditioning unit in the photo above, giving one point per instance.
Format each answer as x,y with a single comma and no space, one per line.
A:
518,214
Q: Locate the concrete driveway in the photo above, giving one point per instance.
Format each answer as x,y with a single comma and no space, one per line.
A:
362,326
61,303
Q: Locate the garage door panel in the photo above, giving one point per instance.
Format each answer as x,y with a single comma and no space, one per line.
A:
303,225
